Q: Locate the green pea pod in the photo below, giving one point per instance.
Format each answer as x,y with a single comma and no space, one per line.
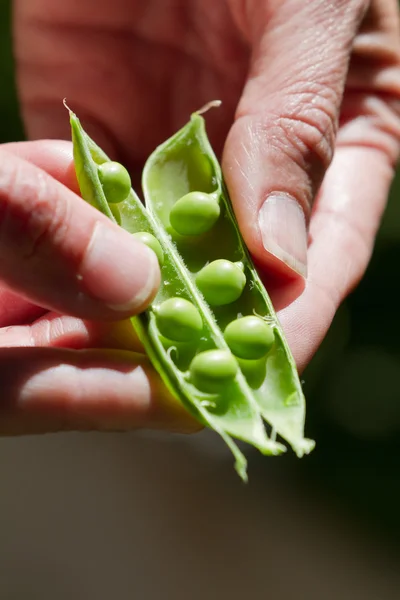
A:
201,372
186,163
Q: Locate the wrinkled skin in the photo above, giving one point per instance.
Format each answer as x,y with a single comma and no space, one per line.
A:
311,95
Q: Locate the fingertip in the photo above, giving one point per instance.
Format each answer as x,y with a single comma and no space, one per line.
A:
119,270
283,231
270,217
62,254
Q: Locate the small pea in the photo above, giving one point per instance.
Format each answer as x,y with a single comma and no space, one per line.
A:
254,371
179,320
115,180
151,242
213,369
194,214
249,337
221,282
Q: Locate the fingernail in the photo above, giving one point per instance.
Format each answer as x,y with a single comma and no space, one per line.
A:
284,232
119,270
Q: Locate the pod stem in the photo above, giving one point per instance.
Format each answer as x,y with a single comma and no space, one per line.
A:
208,106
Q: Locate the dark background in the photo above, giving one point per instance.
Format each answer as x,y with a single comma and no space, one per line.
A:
350,483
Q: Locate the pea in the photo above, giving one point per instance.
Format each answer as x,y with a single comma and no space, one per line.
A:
221,282
152,242
254,371
249,337
211,370
194,214
179,320
115,180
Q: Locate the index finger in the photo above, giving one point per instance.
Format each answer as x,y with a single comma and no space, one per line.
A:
62,254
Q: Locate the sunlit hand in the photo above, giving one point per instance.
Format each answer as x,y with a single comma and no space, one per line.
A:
309,127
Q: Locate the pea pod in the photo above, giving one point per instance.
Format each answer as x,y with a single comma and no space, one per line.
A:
198,366
184,164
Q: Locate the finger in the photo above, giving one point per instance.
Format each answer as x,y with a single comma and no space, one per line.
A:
56,158
342,230
62,254
356,187
283,138
62,331
53,156
46,390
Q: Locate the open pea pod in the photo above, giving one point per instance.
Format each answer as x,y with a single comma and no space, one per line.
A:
178,169
181,331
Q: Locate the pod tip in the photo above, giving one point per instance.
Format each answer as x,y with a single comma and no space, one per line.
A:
67,107
206,107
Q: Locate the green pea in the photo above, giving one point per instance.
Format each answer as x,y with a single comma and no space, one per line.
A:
152,242
254,371
211,370
115,180
221,282
250,337
194,214
179,320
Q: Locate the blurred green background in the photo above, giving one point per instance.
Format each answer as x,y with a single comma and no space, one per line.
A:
352,385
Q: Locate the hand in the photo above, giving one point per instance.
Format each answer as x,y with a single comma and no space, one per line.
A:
61,254
135,71
311,85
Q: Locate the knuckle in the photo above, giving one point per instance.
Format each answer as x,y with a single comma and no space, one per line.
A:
46,222
31,209
309,135
351,11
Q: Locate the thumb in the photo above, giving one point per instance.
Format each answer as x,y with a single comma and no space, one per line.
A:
58,251
283,137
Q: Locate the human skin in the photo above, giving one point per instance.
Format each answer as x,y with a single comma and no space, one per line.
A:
309,136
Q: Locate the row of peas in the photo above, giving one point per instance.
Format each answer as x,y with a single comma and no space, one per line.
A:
221,282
